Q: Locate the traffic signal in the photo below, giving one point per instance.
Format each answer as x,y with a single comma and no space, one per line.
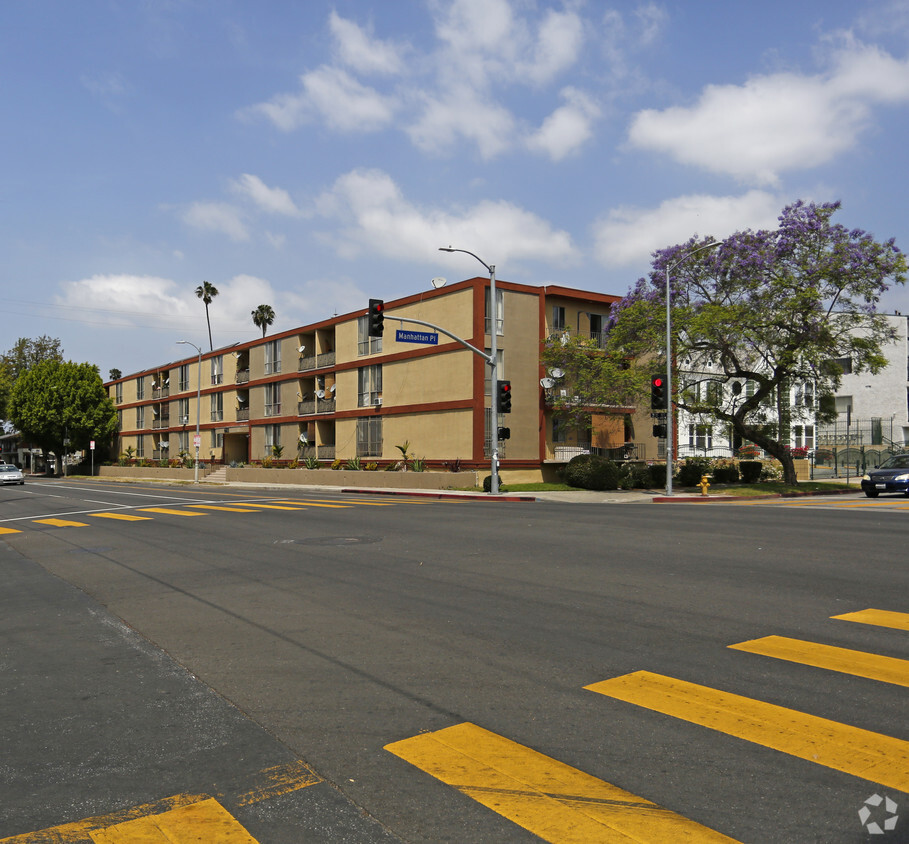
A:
659,431
658,393
503,396
504,433
376,323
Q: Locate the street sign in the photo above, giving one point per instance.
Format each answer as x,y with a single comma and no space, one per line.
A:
429,338
197,440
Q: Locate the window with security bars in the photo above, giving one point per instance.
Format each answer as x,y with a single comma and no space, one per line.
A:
272,438
140,446
140,417
369,437
369,385
140,388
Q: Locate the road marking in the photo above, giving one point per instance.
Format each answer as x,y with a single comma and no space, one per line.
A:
168,512
9,530
126,517
879,618
312,502
59,523
272,506
554,801
858,663
278,781
204,821
861,753
225,509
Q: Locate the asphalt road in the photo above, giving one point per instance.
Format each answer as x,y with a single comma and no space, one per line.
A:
280,652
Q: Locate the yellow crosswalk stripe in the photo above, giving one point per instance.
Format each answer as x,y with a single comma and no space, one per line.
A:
125,517
861,753
554,801
879,618
204,821
224,509
60,523
316,502
167,511
858,663
9,530
271,506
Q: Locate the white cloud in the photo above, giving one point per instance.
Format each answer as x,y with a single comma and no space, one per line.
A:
567,128
375,217
557,46
360,51
336,97
272,200
463,114
217,217
777,122
630,235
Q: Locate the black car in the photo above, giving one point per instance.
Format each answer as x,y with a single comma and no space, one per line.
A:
891,476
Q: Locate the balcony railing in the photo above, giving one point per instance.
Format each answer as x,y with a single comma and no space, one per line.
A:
242,414
325,405
161,422
160,392
326,452
327,359
306,407
309,362
242,376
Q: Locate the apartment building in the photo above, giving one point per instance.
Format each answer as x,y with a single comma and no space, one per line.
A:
328,390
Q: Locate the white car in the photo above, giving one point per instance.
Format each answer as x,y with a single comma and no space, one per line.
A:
9,474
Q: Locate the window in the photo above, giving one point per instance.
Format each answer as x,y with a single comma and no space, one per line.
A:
700,436
804,394
217,407
118,392
369,387
272,357
559,431
140,417
184,376
369,437
183,440
500,370
140,388
558,318
272,437
597,330
217,439
183,411
140,446
500,312
804,436
366,345
272,399
845,364
217,369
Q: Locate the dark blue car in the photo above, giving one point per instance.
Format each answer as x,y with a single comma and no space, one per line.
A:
891,476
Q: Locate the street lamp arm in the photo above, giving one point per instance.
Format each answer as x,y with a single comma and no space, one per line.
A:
490,268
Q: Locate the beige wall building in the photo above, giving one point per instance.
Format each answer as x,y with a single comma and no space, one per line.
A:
329,391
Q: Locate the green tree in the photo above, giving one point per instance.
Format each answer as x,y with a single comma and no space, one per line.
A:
206,292
773,308
263,316
58,400
22,357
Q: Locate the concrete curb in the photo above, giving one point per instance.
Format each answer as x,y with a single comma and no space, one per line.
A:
469,496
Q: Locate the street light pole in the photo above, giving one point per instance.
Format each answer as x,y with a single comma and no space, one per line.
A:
493,369
198,406
669,414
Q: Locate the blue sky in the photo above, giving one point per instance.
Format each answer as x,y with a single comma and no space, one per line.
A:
310,155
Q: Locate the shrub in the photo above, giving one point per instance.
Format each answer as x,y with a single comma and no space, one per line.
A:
418,464
692,469
487,484
638,476
657,475
751,471
453,465
590,471
725,472
354,464
337,463
311,463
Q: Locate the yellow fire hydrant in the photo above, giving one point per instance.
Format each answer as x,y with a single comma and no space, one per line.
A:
705,485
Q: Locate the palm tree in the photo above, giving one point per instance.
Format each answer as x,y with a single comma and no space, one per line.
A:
263,316
206,292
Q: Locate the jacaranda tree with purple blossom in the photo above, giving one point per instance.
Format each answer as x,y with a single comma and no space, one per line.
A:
768,310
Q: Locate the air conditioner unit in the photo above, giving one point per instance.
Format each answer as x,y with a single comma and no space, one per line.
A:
378,401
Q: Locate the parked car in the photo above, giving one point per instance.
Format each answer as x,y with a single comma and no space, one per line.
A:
891,476
9,474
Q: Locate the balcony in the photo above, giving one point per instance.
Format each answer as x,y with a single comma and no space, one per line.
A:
306,407
160,392
327,359
160,422
325,405
242,414
326,452
242,376
309,362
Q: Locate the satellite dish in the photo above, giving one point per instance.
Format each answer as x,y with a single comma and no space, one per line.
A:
241,400
332,388
320,394
555,372
301,349
438,282
304,439
547,383
236,354
154,385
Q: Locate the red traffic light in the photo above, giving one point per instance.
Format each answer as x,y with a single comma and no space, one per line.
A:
657,382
